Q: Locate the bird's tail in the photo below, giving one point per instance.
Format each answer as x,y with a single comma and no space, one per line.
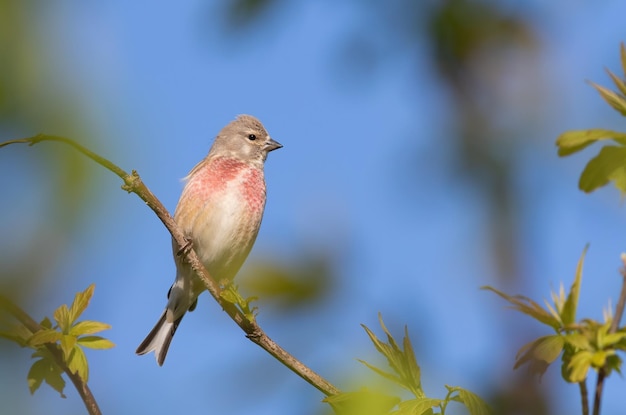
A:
159,338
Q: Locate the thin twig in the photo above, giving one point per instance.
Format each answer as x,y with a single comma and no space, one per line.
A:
619,312
80,385
134,184
584,394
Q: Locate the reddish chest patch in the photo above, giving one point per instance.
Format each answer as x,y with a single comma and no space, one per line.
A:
221,175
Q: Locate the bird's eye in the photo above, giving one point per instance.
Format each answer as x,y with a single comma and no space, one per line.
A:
251,137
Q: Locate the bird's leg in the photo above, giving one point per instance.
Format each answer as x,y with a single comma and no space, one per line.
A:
184,250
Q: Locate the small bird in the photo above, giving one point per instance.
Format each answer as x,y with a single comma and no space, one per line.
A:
220,212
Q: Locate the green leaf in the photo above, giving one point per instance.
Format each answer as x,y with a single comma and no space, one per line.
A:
62,317
573,141
46,323
413,370
67,345
614,99
362,402
88,327
619,83
528,307
77,363
474,403
45,369
417,406
95,342
540,353
579,366
578,340
568,314
81,301
609,164
44,336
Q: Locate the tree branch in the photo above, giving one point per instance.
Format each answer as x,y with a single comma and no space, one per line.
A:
57,355
619,312
134,184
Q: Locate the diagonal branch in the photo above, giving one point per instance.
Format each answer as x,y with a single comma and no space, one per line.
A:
134,184
57,355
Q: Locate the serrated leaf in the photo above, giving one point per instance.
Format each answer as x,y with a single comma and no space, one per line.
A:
80,303
608,165
568,314
417,406
67,345
382,373
44,336
412,368
363,402
77,363
528,307
573,141
88,327
62,317
95,342
474,403
615,100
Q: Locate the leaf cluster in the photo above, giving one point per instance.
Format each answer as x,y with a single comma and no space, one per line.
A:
582,345
66,335
610,163
406,373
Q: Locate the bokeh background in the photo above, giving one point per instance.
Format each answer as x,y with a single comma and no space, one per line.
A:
418,165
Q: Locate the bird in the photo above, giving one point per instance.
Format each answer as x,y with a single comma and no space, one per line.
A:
219,211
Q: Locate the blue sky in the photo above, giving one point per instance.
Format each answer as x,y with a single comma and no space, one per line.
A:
363,174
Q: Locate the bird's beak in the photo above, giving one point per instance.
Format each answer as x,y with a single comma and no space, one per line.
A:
272,145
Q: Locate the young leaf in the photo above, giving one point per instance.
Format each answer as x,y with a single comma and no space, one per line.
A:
619,83
615,100
88,327
578,366
44,336
81,301
473,402
62,317
573,141
95,342
540,353
417,406
609,164
529,307
77,363
578,340
67,345
362,402
568,314
45,369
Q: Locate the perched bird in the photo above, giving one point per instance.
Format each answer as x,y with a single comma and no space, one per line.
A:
220,212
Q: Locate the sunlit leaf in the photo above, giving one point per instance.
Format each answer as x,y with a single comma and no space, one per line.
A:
578,340
573,141
540,353
62,317
88,327
623,57
95,342
608,165
382,373
615,100
598,358
473,402
44,336
81,301
528,307
417,406
568,314
619,82
362,402
579,366
67,345
77,363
